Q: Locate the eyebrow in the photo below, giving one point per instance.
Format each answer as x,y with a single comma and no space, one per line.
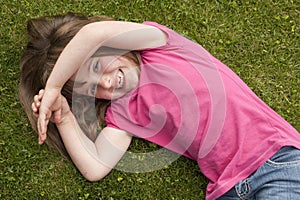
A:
79,85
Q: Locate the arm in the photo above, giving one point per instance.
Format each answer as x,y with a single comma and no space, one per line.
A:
123,35
116,34
93,159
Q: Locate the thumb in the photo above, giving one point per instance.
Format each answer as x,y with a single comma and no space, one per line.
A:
42,127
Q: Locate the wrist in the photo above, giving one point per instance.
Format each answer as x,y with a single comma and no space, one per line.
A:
52,86
66,119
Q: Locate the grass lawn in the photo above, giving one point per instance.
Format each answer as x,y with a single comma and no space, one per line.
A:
258,39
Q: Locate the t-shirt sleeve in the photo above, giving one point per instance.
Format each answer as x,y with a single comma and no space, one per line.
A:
109,120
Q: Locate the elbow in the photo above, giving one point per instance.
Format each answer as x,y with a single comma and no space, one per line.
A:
95,175
92,178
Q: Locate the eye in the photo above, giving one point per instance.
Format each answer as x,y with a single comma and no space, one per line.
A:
93,89
96,67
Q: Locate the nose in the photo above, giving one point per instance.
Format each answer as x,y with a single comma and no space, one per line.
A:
105,81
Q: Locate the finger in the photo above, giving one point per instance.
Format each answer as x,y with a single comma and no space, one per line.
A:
41,141
36,98
41,91
41,94
43,137
44,114
41,124
42,129
34,108
37,101
39,130
37,105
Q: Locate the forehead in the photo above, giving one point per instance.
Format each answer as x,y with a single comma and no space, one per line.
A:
83,72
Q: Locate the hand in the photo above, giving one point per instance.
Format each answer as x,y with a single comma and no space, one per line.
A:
49,105
37,103
35,106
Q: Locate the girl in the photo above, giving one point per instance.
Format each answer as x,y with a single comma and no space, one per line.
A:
153,83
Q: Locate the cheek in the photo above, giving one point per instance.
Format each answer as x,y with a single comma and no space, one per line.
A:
78,91
103,94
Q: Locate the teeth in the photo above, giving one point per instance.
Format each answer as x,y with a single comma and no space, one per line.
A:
120,77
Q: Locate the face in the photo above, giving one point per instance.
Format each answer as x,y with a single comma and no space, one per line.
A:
106,77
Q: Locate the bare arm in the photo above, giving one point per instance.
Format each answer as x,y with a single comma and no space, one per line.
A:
116,34
93,160
123,35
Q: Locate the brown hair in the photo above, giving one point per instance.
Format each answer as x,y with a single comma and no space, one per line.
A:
48,37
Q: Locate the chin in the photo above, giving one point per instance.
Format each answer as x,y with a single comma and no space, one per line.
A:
117,96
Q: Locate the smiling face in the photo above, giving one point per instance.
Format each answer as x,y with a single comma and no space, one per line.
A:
107,77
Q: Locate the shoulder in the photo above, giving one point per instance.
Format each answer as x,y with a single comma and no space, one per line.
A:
173,38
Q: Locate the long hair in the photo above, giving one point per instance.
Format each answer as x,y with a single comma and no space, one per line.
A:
48,36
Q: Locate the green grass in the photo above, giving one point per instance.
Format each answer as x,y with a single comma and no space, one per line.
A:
258,39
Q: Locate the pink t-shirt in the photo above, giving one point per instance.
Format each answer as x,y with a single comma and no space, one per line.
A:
189,102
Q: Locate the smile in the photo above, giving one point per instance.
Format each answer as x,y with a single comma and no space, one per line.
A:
119,79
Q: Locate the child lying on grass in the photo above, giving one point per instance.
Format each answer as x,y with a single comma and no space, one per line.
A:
153,83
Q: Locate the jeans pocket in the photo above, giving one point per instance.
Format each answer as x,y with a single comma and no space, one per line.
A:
286,156
242,188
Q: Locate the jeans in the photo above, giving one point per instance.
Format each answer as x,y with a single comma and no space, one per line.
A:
277,179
